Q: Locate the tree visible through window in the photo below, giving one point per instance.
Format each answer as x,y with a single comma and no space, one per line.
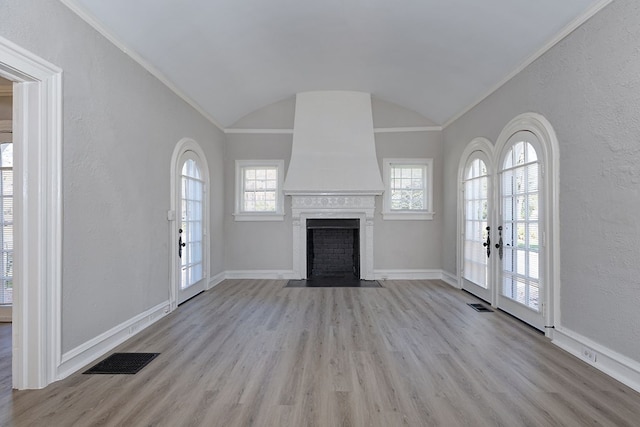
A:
408,187
260,187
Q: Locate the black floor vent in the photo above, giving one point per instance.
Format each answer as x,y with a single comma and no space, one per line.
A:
122,363
480,307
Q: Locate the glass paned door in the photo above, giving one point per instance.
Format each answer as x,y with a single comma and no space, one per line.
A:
520,221
191,232
6,224
476,227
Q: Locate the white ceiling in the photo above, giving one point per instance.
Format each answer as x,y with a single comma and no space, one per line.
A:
437,57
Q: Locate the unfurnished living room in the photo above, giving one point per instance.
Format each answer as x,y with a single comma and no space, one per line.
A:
329,213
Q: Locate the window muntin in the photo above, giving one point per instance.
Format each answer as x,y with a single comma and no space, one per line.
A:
408,189
476,214
259,190
192,224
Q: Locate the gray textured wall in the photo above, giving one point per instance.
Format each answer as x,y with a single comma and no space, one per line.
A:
588,87
120,127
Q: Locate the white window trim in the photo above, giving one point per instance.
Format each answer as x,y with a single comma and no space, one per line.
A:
420,215
278,215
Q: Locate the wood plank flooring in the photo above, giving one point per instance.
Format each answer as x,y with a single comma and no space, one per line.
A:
253,353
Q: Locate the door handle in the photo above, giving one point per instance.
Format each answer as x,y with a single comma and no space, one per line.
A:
181,244
499,244
487,244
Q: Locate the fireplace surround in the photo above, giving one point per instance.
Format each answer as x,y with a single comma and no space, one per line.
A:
358,207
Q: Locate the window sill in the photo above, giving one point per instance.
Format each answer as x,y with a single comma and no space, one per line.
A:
408,216
257,216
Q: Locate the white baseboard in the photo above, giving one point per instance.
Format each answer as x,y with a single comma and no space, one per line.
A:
216,280
261,274
97,347
450,279
407,274
620,367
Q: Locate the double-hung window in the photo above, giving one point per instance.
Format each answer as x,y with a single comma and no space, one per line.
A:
408,189
259,190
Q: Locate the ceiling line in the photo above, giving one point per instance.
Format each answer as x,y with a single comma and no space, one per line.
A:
89,19
571,27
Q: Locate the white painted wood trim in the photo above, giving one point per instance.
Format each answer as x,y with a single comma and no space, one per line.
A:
37,120
408,129
571,27
451,279
261,274
407,274
622,368
290,131
216,280
97,347
86,16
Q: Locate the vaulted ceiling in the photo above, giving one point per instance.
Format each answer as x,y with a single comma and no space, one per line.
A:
436,57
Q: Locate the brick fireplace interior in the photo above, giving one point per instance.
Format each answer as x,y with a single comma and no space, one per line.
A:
333,248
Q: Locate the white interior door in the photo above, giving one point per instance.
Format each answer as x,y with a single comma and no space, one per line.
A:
520,230
476,229
190,225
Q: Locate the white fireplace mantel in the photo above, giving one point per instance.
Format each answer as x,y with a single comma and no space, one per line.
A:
336,205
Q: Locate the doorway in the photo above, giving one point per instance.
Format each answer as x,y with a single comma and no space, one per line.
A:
506,249
190,207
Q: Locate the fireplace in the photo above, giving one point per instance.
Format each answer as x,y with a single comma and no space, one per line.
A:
330,211
333,248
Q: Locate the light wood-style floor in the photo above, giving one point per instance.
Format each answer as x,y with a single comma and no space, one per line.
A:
251,352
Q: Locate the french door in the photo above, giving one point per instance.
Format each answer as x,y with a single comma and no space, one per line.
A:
476,187
190,227
502,228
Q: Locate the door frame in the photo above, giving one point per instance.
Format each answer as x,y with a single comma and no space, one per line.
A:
37,132
549,158
483,145
184,145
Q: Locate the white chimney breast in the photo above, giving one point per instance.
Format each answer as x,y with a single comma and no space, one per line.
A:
333,145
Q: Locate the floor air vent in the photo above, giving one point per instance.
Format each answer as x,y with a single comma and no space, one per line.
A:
122,363
480,307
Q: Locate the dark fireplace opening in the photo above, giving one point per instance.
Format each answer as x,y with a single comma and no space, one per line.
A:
333,248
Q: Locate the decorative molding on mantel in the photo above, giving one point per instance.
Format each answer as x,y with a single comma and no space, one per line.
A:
332,204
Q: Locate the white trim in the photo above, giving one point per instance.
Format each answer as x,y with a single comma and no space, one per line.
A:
184,145
408,129
37,119
261,274
557,38
86,16
259,131
216,280
451,279
387,212
97,347
404,129
408,274
239,214
622,368
484,146
544,132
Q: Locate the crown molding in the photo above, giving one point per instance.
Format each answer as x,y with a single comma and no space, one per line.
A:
86,16
571,27
290,131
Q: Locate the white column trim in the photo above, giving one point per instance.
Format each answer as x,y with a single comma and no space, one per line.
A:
37,119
